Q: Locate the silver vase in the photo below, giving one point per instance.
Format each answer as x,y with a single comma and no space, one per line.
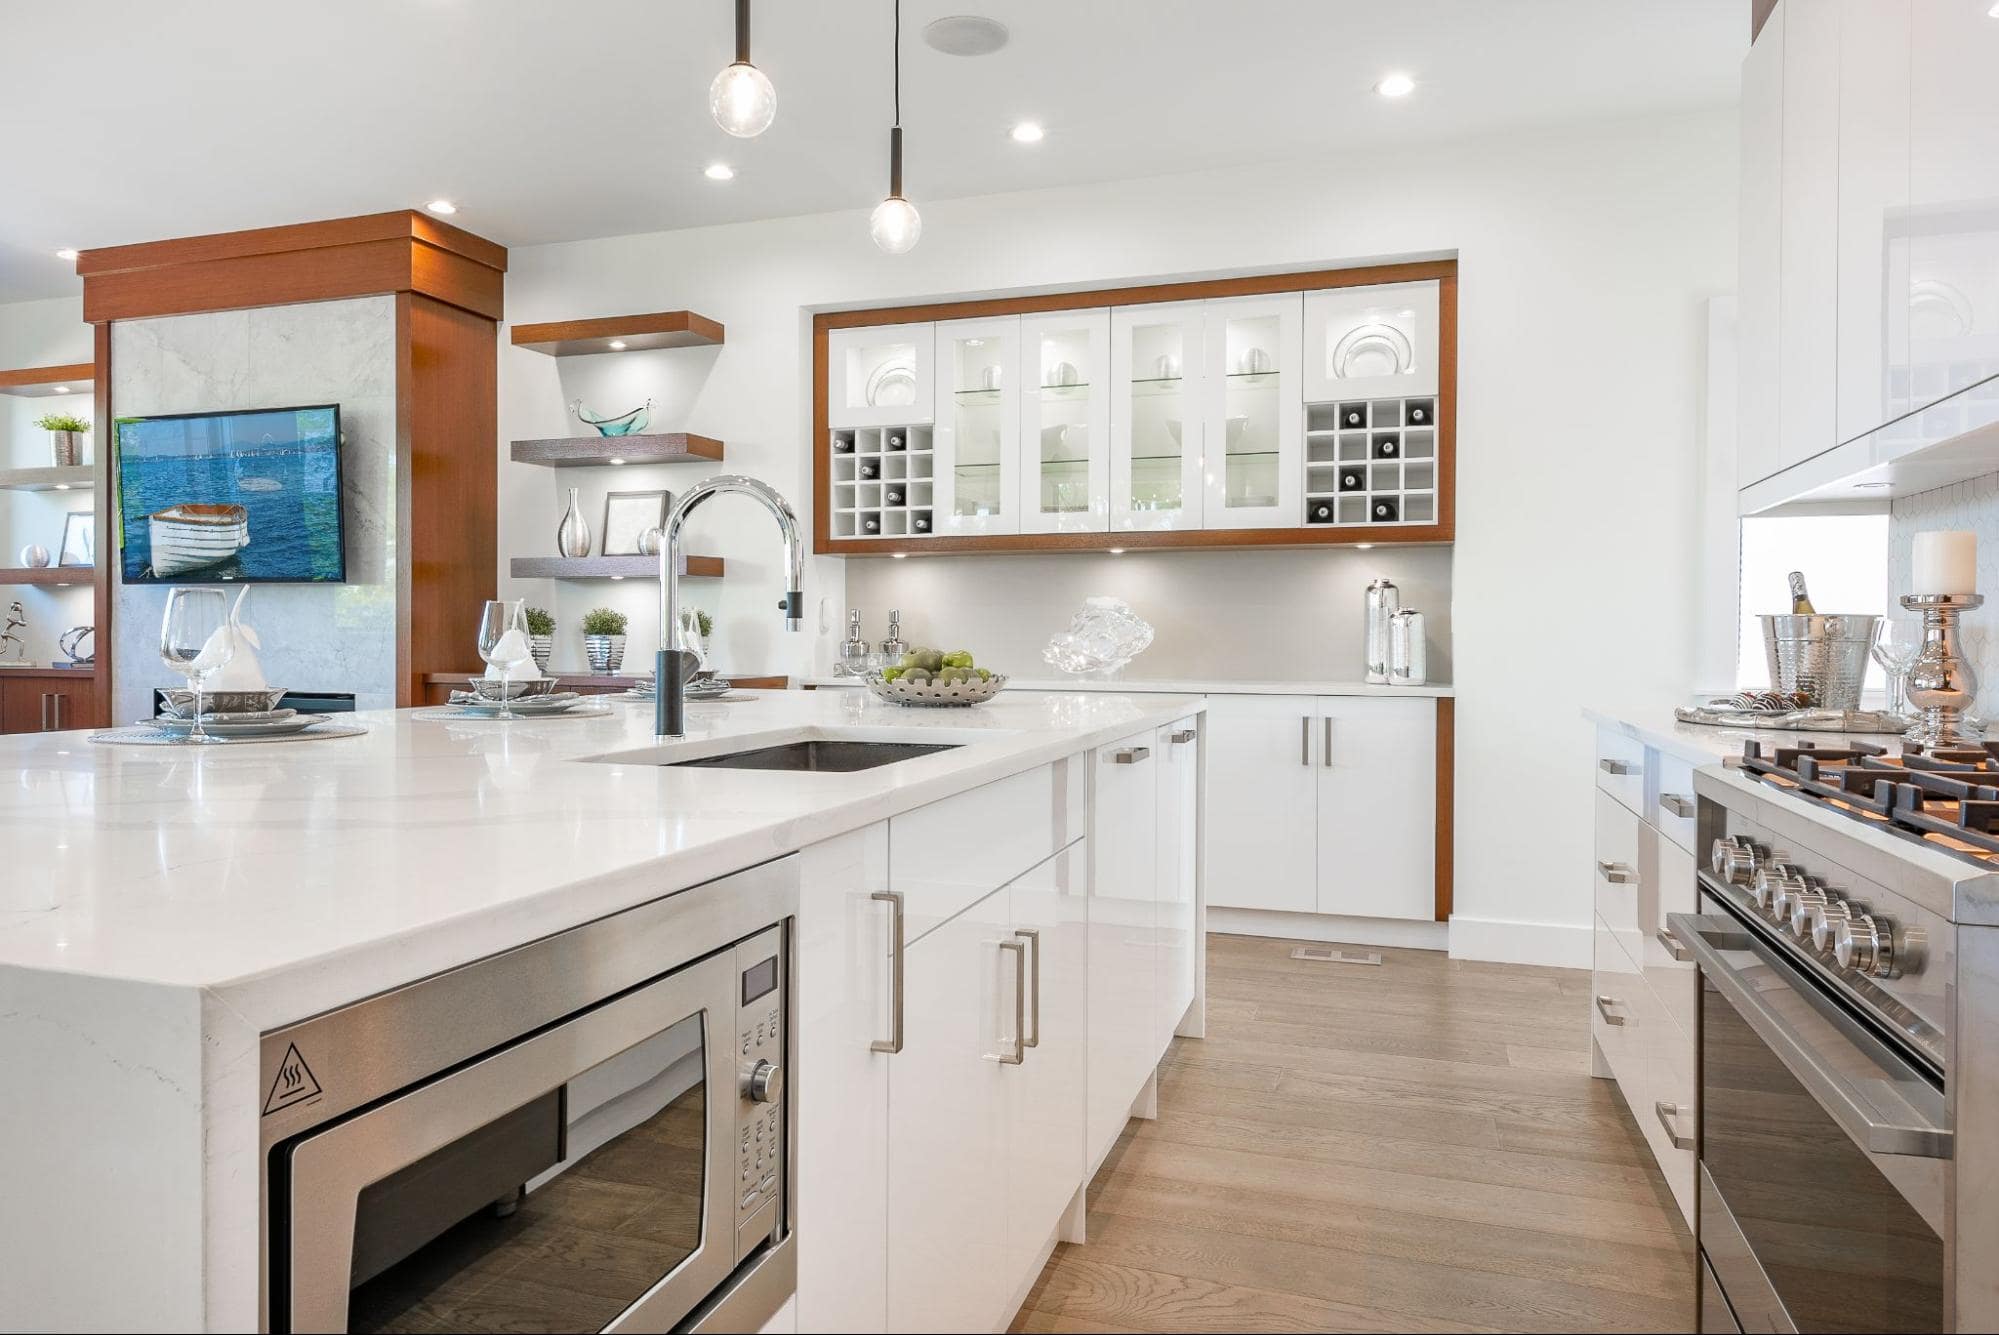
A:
541,647
605,653
572,535
66,448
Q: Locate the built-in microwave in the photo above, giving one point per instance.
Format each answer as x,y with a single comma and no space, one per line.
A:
590,1132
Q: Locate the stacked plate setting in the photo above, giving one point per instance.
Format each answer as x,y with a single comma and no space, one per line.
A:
237,723
528,699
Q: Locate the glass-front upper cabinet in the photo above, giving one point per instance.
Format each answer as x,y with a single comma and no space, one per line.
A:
1253,469
978,426
1157,410
1376,342
880,376
1065,422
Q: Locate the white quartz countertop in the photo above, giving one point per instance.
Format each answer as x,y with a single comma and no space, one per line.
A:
1192,686
1698,744
286,878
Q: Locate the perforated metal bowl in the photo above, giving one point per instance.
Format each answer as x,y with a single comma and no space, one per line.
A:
902,692
1821,657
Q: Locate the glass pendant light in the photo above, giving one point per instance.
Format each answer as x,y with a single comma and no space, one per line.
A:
895,224
741,99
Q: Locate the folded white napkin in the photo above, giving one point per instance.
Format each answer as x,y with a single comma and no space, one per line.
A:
242,672
513,646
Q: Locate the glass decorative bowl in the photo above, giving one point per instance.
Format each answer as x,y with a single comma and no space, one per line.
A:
1102,638
624,424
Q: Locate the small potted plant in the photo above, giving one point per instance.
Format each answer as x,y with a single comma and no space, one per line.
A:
604,639
65,437
541,636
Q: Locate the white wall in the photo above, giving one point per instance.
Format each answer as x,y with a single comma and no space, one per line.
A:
1586,255
41,333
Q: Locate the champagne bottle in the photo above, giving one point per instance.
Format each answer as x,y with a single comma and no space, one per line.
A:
1801,602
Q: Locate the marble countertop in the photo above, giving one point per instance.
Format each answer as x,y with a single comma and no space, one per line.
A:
1193,686
1698,744
287,878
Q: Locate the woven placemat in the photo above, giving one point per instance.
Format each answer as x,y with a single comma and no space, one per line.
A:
450,714
140,734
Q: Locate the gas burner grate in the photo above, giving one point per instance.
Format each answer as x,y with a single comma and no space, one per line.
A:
1948,796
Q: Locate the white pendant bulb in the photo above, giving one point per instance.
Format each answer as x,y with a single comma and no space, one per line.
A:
741,99
895,224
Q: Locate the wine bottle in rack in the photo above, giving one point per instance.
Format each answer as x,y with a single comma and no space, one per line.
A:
1388,447
843,442
1801,602
897,439
1353,479
919,521
1419,414
892,494
870,470
1384,510
871,524
1319,512
1353,414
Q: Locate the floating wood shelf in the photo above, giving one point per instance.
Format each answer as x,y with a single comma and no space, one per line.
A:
78,478
40,381
611,567
578,451
659,329
50,575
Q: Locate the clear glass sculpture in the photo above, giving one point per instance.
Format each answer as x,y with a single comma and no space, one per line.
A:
1101,638
624,424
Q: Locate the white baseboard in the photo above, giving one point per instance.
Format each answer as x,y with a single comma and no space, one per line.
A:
1396,932
1559,944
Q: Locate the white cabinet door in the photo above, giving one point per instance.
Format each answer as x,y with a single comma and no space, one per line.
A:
1873,186
947,1178
844,949
1178,749
880,376
1046,1093
1378,807
1375,342
1065,422
1123,855
977,437
1253,457
1263,815
1759,282
1156,413
1807,358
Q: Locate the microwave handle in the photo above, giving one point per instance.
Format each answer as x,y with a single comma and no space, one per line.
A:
1915,1137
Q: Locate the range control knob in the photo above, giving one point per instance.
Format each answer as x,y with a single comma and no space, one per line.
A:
1790,888
1825,921
1735,859
1799,909
1870,944
1772,881
765,1084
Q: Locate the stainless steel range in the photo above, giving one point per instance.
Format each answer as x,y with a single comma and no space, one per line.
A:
1848,944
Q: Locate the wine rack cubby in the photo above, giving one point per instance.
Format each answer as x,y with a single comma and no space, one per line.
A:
1371,461
883,482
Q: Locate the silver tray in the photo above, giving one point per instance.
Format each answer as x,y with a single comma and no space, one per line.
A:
1796,720
236,726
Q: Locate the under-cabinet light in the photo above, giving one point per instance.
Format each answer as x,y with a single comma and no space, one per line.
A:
616,462
1027,132
1395,85
719,171
617,345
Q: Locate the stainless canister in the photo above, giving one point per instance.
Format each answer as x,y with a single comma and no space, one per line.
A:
1821,657
1383,601
1408,649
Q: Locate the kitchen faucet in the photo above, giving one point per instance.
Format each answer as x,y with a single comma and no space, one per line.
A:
670,664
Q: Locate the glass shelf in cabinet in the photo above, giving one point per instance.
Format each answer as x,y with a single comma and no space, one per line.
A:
1249,378
974,397
1158,385
1080,390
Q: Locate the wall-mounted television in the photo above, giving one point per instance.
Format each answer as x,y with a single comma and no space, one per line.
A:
223,498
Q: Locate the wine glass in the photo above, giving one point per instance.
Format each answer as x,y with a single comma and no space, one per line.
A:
1895,649
503,643
195,641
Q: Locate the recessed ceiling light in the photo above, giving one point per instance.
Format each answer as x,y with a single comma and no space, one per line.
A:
1395,85
66,254
617,345
1875,486
965,35
442,207
1992,13
1027,132
720,171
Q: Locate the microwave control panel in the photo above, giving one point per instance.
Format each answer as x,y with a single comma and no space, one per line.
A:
760,1056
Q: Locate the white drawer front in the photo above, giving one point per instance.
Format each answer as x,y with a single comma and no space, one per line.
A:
1618,872
1673,800
1620,768
1667,1115
947,856
1616,1014
1670,889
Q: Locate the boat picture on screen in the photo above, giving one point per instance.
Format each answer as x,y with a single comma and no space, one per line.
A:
249,496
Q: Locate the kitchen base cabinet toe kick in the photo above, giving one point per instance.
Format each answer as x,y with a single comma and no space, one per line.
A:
980,1014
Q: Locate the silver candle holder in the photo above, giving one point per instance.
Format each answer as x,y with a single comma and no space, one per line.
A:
1942,685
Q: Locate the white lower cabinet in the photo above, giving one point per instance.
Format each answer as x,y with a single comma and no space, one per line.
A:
1263,803
1124,797
1176,910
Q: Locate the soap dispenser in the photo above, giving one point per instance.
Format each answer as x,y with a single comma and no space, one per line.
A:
854,649
893,648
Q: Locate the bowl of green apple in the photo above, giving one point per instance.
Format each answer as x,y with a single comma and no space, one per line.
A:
933,677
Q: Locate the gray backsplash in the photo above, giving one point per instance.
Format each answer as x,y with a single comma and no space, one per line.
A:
1974,506
1268,615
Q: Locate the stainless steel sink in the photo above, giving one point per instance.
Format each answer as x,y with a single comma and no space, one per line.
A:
818,756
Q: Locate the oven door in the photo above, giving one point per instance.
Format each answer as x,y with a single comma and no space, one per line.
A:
1824,1150
582,1178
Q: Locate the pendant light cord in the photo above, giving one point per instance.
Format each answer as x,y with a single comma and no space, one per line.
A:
898,63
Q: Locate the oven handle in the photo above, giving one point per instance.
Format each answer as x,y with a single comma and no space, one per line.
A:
1918,1138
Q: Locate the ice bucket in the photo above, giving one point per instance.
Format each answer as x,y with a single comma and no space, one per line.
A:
1821,657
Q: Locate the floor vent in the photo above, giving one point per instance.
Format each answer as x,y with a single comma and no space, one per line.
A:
1336,955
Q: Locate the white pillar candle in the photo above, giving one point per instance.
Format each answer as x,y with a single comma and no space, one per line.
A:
1945,562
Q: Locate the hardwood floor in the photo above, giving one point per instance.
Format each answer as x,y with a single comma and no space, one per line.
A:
1414,1147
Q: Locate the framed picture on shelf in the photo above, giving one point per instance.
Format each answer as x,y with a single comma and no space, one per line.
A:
79,539
627,515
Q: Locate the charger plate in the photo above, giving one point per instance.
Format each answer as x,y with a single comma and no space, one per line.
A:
145,734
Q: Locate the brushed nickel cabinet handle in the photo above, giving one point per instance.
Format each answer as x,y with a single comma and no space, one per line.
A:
1616,873
1603,1005
45,712
1326,752
1183,735
1683,807
1616,767
1664,936
1305,740
1131,755
897,948
59,700
1032,936
1666,1112
1019,1053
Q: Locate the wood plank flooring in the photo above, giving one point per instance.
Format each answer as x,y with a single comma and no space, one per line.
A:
1414,1147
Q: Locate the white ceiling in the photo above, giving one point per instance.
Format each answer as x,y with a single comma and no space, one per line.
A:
559,121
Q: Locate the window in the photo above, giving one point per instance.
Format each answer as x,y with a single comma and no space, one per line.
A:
1845,560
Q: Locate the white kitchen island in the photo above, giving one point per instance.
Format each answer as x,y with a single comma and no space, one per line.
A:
163,908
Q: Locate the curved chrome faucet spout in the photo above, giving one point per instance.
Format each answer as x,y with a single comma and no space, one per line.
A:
669,664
